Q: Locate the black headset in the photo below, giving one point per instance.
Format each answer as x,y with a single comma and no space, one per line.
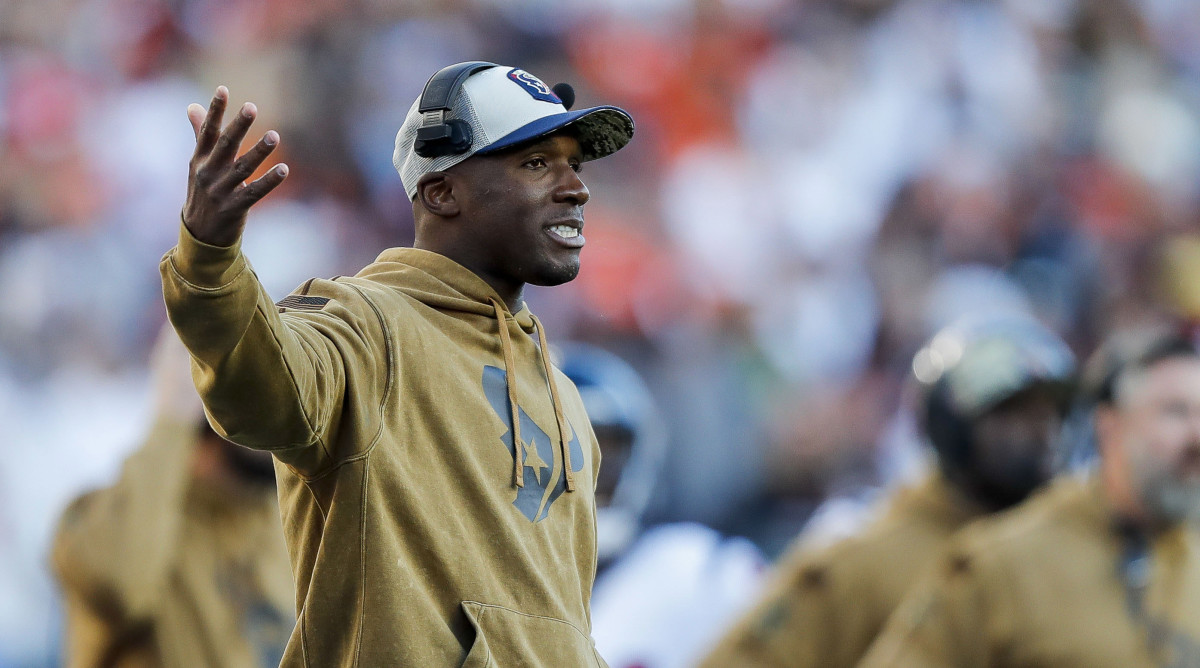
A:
438,136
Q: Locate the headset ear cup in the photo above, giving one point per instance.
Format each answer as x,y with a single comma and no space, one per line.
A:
460,137
451,138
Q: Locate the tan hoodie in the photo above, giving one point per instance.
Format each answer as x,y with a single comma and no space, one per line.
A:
825,605
417,537
1052,582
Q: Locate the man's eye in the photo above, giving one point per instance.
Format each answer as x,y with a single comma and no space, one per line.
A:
535,162
577,166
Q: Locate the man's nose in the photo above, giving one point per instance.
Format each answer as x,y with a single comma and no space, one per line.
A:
572,189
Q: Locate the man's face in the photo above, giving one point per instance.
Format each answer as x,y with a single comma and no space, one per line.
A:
1153,436
524,209
1012,442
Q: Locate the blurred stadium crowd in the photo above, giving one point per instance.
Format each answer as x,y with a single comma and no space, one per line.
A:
815,188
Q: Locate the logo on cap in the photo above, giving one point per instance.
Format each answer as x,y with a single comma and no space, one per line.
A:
533,86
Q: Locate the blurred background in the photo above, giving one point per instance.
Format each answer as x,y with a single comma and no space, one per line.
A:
815,187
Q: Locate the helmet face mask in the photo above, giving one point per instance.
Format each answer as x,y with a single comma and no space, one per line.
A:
994,395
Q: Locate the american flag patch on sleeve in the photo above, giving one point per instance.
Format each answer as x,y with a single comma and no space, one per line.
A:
302,303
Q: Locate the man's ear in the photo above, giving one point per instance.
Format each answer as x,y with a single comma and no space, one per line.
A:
435,192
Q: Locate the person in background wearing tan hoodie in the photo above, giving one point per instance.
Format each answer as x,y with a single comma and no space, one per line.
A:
994,392
437,473
1100,570
181,562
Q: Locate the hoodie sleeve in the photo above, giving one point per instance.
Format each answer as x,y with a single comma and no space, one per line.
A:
276,381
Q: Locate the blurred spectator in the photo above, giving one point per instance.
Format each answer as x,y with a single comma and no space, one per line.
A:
182,561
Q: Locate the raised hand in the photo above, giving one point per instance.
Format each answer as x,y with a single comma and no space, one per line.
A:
218,196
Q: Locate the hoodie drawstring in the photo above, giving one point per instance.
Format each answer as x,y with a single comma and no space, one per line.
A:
558,410
510,371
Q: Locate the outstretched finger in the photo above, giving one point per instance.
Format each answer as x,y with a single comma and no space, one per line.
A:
244,166
231,138
257,189
206,137
195,114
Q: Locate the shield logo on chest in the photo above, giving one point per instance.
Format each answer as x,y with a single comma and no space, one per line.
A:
544,478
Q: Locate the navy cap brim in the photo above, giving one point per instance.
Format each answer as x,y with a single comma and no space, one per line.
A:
601,131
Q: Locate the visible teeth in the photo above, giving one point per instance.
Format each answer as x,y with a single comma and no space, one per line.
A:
565,231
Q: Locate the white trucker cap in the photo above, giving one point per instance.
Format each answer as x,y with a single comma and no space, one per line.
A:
505,106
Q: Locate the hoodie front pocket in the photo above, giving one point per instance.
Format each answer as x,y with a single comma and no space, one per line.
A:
505,638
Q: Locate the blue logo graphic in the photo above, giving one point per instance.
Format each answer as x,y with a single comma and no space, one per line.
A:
535,498
533,86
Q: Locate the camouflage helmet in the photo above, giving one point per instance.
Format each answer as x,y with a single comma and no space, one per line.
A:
973,365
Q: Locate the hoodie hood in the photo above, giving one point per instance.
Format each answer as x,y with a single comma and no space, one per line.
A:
438,281
441,283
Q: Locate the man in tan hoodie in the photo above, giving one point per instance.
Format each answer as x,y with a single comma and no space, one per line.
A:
437,472
1100,571
994,393
181,562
